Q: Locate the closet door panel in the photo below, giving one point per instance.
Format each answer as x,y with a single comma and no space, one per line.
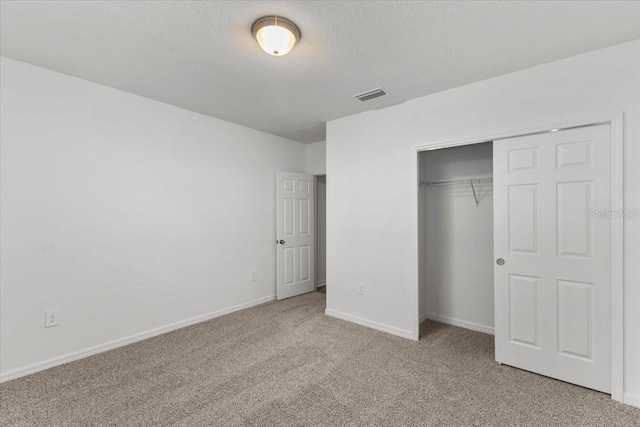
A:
553,259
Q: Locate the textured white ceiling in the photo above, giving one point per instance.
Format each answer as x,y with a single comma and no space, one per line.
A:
201,55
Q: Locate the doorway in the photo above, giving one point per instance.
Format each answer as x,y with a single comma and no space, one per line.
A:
321,233
558,285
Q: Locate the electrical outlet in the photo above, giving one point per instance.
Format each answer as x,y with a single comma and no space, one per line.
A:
360,288
253,276
51,318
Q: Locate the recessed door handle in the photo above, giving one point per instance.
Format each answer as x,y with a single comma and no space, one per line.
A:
500,261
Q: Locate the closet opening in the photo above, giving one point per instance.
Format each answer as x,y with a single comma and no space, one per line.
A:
527,216
455,243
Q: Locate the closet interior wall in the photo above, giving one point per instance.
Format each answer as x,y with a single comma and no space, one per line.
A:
456,238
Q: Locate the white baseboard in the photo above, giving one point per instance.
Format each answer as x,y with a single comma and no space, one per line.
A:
321,284
41,366
370,323
457,322
632,399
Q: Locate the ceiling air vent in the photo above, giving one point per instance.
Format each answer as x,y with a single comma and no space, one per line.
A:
370,94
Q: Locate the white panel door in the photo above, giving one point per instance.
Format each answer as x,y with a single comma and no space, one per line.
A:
553,291
295,234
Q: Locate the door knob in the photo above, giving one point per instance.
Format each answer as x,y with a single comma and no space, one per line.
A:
281,242
500,261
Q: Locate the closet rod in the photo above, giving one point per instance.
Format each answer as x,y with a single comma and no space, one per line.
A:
465,181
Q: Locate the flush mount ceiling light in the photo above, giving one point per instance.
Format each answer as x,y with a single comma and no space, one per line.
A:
275,35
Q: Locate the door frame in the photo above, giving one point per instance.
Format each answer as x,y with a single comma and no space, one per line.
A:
315,258
616,123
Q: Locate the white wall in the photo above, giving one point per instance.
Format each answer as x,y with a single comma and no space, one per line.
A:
125,213
457,246
317,158
321,229
370,163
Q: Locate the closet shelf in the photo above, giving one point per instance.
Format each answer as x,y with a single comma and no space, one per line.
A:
463,181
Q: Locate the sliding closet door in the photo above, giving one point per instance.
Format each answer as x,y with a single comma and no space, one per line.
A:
553,255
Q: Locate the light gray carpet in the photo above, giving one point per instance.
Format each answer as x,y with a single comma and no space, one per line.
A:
286,363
